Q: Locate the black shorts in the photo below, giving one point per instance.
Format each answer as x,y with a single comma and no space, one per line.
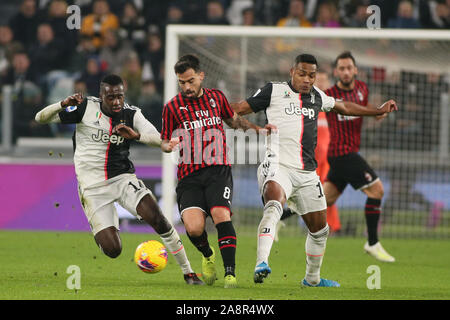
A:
205,189
350,168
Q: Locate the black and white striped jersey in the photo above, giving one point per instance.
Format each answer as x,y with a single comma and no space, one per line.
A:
98,153
295,116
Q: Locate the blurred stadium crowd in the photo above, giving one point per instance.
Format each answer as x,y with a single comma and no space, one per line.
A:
45,61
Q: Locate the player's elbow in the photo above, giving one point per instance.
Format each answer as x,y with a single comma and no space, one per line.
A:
346,112
240,108
39,118
343,109
240,112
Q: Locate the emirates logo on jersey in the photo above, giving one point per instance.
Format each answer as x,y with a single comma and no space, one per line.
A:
204,120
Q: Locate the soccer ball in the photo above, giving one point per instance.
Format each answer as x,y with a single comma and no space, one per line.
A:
151,256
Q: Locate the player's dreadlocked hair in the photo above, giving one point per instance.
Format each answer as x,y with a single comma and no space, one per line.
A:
186,62
306,58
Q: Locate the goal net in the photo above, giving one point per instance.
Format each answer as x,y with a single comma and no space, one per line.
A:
409,150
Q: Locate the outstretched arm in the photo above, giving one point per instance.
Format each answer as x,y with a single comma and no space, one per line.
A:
352,109
50,113
238,122
380,117
241,108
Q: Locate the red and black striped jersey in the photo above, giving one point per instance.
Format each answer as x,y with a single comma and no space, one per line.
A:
345,131
198,124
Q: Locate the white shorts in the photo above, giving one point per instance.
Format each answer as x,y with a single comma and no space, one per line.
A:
98,200
303,189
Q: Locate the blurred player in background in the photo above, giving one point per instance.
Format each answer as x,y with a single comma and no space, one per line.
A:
105,128
346,164
288,172
193,121
323,139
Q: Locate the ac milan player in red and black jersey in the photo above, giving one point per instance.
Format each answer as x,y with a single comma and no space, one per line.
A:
193,119
346,165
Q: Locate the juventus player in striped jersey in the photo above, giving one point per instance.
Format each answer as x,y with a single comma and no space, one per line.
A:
104,130
205,183
288,174
346,165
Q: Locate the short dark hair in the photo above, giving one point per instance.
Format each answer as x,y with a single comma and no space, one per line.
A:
306,58
344,55
186,62
247,9
112,80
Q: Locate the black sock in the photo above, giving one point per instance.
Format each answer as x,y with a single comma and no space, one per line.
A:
227,245
372,213
287,213
202,244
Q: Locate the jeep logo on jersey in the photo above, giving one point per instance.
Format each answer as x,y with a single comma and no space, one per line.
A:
295,109
106,138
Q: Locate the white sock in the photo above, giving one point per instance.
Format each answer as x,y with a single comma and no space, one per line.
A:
315,249
266,230
174,245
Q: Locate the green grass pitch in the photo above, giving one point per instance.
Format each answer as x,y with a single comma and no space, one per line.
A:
34,264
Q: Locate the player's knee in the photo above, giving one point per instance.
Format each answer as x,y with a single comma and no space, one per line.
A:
108,241
317,227
114,253
193,229
376,191
331,193
220,215
194,221
315,221
330,201
112,250
273,191
380,191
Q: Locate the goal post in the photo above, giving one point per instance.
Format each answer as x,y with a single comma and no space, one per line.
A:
409,149
170,90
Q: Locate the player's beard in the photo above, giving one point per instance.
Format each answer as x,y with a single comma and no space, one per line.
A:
347,84
191,94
